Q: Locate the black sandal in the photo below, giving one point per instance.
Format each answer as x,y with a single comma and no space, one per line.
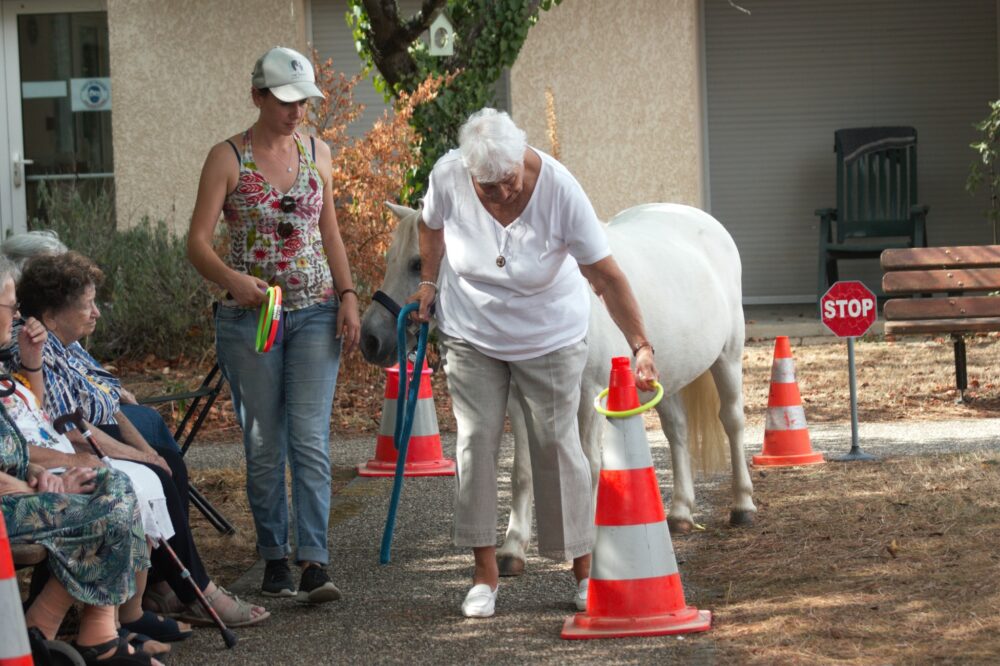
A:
120,657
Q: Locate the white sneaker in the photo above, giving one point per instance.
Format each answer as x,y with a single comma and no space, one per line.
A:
480,601
580,598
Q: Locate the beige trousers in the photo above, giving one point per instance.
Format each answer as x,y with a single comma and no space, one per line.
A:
549,389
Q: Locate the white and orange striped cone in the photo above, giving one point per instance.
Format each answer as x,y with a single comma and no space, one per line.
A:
635,587
786,435
15,650
424,456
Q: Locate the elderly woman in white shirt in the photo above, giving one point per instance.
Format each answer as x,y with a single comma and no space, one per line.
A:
509,242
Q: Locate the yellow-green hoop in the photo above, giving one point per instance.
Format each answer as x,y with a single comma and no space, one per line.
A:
628,412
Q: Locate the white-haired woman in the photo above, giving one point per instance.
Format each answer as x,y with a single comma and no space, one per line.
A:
508,244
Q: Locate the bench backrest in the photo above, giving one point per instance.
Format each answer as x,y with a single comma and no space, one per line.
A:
876,181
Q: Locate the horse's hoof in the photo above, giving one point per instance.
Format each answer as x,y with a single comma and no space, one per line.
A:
680,527
510,565
741,518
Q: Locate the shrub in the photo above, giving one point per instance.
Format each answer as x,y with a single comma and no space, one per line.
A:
152,300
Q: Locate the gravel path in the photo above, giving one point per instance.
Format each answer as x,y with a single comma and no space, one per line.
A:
407,612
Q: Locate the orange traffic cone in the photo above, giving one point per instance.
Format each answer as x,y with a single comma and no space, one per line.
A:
786,436
635,588
424,456
14,647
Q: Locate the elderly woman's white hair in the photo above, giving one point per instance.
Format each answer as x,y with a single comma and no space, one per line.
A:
19,248
492,145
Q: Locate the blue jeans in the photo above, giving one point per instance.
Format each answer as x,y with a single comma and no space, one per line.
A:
283,399
151,426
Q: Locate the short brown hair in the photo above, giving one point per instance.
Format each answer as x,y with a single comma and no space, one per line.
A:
51,283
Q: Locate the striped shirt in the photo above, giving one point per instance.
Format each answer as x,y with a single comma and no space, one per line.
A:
74,379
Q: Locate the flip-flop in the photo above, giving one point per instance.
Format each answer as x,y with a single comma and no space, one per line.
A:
157,627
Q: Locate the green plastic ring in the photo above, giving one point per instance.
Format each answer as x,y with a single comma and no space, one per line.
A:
263,324
628,412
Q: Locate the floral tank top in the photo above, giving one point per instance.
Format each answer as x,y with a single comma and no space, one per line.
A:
275,235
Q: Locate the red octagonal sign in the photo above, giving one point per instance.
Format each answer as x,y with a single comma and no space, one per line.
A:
848,309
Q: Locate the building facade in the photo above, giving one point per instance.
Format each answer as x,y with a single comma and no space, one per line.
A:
654,100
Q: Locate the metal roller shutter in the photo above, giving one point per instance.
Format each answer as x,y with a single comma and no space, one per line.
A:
781,80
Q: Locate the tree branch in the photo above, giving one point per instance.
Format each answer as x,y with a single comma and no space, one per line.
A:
390,37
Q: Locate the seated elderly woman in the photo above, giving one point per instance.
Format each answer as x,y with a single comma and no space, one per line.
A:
21,248
59,291
49,449
88,520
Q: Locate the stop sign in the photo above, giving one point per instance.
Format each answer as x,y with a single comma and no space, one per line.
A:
848,309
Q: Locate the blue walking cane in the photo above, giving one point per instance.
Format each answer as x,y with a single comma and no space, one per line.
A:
401,435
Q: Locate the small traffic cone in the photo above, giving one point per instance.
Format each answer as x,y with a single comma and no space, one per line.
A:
15,650
786,436
635,588
424,456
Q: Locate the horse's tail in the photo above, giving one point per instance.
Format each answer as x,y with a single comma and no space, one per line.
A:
707,440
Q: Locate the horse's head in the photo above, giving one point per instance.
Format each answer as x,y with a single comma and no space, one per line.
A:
402,274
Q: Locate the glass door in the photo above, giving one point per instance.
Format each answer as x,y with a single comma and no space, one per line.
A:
57,101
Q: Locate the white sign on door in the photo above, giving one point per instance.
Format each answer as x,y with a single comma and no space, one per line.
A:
90,94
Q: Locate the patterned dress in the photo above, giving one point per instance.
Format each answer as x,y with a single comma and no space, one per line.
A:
96,543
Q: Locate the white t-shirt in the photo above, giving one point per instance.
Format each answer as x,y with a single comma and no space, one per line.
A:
538,301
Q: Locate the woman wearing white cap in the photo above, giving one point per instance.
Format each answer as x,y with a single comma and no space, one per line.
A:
272,187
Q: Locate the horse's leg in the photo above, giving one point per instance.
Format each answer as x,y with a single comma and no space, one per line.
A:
728,374
673,419
511,556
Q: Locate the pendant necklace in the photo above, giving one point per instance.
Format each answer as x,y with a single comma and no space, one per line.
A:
501,260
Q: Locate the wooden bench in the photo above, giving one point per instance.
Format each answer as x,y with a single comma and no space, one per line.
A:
947,292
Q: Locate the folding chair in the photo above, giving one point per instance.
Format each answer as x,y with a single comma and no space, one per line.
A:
202,399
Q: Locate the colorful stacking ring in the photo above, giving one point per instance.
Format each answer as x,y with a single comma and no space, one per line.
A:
270,319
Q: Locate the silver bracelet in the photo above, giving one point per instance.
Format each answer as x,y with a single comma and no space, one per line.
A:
433,284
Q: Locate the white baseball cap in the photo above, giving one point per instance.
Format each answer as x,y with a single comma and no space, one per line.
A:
287,74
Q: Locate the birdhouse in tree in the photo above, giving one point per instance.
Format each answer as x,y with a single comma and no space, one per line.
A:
442,37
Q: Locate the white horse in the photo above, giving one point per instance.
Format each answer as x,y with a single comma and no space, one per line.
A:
685,271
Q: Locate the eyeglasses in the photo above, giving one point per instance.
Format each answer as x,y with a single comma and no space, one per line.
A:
13,308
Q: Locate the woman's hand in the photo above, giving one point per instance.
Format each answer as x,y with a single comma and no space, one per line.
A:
645,369
43,481
348,321
159,462
424,295
79,480
31,342
246,290
127,396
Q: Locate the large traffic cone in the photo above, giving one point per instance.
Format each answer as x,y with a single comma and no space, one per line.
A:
14,647
635,588
786,436
424,456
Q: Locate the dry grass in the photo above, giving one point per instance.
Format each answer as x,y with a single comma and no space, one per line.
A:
869,563
912,378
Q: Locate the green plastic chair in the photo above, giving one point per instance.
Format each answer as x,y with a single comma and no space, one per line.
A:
877,205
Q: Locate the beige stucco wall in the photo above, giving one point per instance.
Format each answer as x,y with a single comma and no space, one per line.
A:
626,82
181,77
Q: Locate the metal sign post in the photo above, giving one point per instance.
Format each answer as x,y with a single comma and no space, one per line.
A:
849,309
